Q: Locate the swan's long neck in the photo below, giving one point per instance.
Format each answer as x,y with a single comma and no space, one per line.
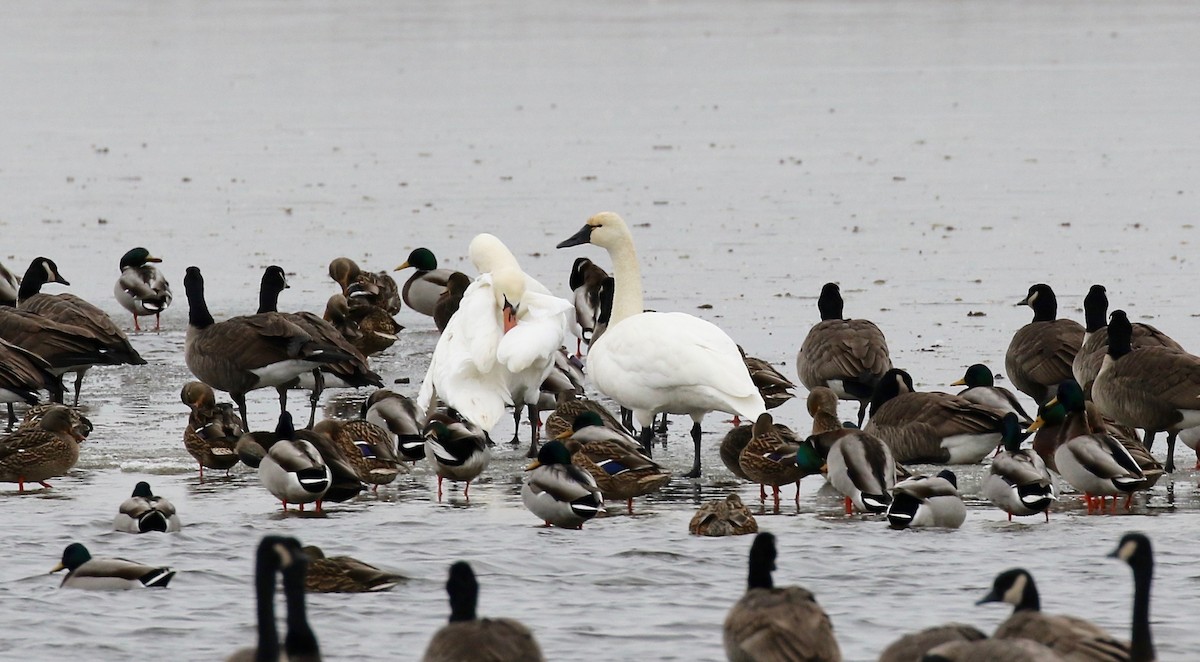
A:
627,299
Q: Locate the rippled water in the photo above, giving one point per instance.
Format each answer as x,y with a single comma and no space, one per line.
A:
935,158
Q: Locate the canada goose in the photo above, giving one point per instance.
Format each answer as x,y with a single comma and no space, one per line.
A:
457,448
401,417
661,362
275,554
584,282
422,289
1072,638
143,512
1134,549
344,574
1018,482
770,457
770,623
1041,352
860,467
847,355
244,353
614,459
368,448
86,572
982,390
468,637
559,492
9,284
772,386
66,348
293,469
22,375
723,517
913,646
1095,340
992,650
72,313
352,372
34,454
927,501
1153,388
142,289
212,430
930,427
449,300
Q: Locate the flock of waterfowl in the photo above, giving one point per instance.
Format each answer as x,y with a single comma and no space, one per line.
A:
504,344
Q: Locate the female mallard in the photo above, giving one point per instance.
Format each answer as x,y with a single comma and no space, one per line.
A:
141,288
34,454
1072,638
212,430
927,501
570,407
422,290
108,574
930,427
1018,482
1091,354
770,623
614,459
143,512
982,390
457,449
365,289
723,517
400,416
849,356
772,385
367,446
468,637
369,328
1134,549
344,574
22,374
280,554
557,491
1041,352
448,301
770,457
293,469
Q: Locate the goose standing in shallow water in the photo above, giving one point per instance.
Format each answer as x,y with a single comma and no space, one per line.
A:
1018,482
1041,352
1134,549
661,362
849,356
280,554
468,637
22,374
142,289
1095,339
143,512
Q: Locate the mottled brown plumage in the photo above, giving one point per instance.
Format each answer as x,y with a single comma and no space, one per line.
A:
447,302
723,517
772,386
1095,341
212,430
569,407
1041,352
345,574
770,456
614,459
912,647
366,446
34,454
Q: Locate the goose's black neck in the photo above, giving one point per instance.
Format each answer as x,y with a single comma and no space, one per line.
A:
1142,642
264,589
301,641
762,561
893,383
1095,309
464,592
193,285
1120,335
830,302
37,275
268,298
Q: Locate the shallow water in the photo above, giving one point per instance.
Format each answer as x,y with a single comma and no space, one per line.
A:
935,158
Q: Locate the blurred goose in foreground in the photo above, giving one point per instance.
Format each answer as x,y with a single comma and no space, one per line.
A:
770,457
661,362
22,375
142,289
1134,549
86,572
723,517
558,492
1095,339
280,554
992,650
930,427
1153,388
982,390
34,454
422,289
1041,352
366,446
293,469
614,459
400,416
770,623
1072,638
468,637
585,280
9,284
212,430
849,356
927,501
344,574
143,512
1018,482
457,448
912,647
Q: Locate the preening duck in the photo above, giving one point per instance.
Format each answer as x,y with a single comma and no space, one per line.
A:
723,517
614,459
661,362
1018,481
771,384
35,453
770,457
927,501
982,390
401,417
143,512
86,572
450,299
293,469
558,492
860,467
457,448
1041,352
468,637
585,280
141,288
212,430
366,446
422,289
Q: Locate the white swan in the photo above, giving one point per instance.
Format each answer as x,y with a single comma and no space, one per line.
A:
500,345
661,362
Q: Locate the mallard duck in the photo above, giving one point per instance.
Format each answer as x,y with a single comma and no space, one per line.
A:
992,650
849,356
108,574
142,289
982,390
9,284
604,301
398,415
584,282
1018,482
570,407
143,512
822,406
365,289
22,375
1134,549
772,386
80,424
661,362
557,491
860,467
732,445
723,517
369,328
927,501
275,554
344,574
245,353
1153,388
1095,339
614,459
914,646
293,469
72,313
1056,427
1071,637
422,289
770,457
468,637
212,430
457,448
1041,352
367,446
930,427
770,623
34,454
449,300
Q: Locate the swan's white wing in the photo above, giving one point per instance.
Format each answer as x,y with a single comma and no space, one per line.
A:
538,334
